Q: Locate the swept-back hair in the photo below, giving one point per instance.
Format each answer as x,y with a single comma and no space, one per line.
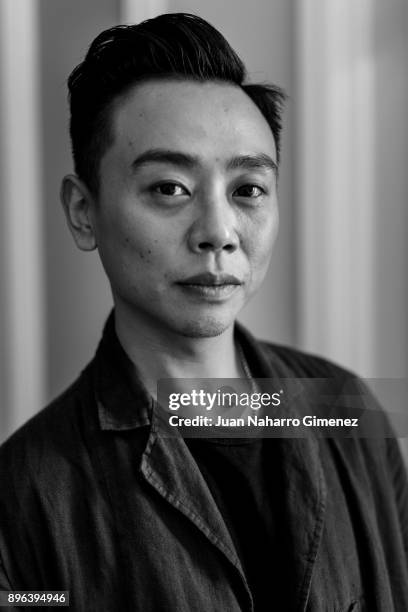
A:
178,46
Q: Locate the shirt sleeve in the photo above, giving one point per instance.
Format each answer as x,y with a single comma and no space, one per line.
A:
398,472
4,581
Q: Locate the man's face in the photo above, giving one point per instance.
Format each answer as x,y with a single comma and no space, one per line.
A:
187,213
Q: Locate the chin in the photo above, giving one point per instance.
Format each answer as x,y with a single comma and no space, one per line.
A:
206,327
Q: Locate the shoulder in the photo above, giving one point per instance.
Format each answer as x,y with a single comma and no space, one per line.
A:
45,468
303,364
48,439
376,441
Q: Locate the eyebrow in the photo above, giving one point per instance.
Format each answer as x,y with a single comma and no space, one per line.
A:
258,161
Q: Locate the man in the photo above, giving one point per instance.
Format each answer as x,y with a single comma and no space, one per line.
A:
176,162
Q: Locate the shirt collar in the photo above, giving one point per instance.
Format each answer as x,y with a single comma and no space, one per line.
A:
123,401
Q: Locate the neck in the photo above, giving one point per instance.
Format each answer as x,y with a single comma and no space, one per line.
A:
162,354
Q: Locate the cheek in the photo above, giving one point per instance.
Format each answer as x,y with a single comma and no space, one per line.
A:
122,249
147,251
261,237
139,249
134,240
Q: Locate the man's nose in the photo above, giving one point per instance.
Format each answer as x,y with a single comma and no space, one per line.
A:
214,228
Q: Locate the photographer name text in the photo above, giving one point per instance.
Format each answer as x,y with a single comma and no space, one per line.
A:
258,421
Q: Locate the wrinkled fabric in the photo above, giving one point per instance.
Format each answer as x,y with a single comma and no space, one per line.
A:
96,499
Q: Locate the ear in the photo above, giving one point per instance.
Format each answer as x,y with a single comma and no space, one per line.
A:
78,204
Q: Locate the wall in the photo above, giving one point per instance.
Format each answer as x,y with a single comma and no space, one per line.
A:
77,294
391,188
351,182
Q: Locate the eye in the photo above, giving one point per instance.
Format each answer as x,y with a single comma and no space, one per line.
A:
249,191
170,189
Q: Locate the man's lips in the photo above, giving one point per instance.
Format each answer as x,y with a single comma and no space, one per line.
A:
208,279
210,287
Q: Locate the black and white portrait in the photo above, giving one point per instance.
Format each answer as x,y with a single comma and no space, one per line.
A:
202,202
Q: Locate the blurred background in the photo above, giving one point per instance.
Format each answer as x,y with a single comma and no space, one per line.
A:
337,285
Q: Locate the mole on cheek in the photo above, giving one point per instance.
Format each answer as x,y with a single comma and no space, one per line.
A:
144,254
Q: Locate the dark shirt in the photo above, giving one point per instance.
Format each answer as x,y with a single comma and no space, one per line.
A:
245,479
97,499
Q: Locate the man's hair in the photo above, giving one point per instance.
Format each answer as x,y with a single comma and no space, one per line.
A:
176,46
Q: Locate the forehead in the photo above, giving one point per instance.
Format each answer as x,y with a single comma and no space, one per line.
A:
210,119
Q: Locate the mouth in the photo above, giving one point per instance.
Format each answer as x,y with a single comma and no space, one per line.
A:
211,286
